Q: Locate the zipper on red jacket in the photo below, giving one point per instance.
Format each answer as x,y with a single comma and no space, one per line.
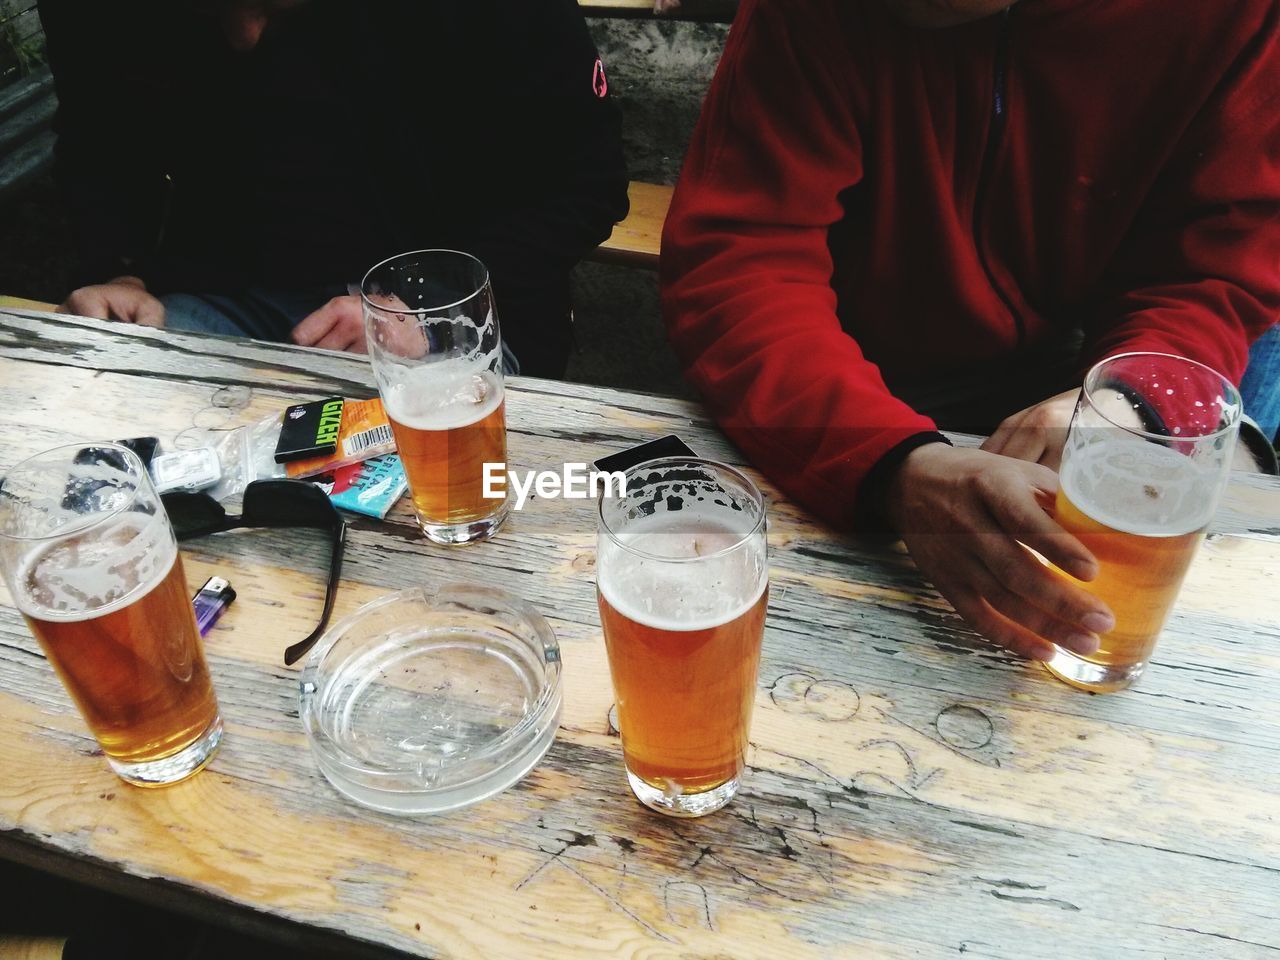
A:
999,120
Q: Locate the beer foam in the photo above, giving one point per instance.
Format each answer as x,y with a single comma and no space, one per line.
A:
1140,488
681,596
430,399
96,572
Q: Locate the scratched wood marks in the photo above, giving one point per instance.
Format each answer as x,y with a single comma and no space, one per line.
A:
913,792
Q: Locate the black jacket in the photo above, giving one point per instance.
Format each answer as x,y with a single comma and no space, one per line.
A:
357,129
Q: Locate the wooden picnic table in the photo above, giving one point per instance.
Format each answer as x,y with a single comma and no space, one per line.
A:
912,791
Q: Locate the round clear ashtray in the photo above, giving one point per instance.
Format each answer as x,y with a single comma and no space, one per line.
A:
426,701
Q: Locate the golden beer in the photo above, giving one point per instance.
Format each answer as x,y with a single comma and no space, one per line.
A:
444,450
437,354
1138,578
683,588
684,694
1141,510
1144,463
111,610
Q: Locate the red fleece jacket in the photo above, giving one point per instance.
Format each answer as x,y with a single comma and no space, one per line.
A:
866,203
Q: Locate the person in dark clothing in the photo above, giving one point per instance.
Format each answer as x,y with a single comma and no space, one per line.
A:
237,166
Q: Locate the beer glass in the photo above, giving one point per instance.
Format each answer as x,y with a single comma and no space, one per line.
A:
683,582
1145,462
92,564
437,356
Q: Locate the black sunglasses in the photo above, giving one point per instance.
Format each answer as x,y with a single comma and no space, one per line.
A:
267,503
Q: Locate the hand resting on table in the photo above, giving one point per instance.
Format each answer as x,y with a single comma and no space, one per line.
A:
338,325
125,299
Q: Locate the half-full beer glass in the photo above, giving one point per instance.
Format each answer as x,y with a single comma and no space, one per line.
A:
92,564
1144,466
683,582
437,356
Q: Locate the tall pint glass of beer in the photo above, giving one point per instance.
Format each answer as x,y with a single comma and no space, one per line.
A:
683,582
92,564
437,356
1144,466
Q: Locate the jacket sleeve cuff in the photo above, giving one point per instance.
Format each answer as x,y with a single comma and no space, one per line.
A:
870,515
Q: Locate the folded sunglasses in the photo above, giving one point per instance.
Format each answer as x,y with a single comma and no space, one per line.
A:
268,503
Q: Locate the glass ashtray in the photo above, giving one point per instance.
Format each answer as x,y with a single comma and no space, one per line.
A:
430,700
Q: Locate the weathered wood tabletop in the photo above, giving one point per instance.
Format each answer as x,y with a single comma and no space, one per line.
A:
912,792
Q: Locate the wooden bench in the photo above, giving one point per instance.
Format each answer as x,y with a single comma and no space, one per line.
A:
32,948
637,240
22,303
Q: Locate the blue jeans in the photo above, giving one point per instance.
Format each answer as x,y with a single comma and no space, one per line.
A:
1260,387
262,314
258,313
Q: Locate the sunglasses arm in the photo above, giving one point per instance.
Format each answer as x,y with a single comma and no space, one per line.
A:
295,652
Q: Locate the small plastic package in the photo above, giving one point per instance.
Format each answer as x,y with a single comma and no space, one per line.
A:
363,473
247,454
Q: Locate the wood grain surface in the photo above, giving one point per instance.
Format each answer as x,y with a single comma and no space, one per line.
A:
912,792
637,240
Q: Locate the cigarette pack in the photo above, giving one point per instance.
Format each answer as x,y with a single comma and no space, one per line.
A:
309,430
365,432
370,487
